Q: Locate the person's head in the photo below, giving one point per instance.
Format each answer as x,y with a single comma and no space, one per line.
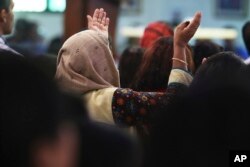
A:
204,49
6,16
20,31
45,63
155,30
85,63
129,64
37,127
55,45
246,35
224,69
155,66
201,128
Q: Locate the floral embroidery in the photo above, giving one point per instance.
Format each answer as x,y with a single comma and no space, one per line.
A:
120,101
132,108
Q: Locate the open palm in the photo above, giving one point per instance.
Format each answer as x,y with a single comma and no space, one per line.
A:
99,22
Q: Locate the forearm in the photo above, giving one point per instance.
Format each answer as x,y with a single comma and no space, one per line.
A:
179,58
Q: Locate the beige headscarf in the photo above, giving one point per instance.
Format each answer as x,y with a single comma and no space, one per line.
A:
85,63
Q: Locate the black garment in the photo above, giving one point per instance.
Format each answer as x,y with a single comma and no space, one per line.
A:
4,47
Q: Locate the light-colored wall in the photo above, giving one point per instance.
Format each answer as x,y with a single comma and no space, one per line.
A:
51,24
153,10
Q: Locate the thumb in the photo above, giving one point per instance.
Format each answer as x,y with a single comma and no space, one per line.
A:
90,21
89,18
195,23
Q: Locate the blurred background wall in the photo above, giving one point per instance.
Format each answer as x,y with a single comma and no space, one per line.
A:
51,23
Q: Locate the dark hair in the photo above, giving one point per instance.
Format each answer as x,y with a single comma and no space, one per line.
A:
204,49
5,4
222,70
129,64
155,67
32,109
210,121
99,147
55,45
202,130
45,63
246,35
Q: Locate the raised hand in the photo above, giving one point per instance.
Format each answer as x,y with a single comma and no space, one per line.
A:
183,33
186,30
99,22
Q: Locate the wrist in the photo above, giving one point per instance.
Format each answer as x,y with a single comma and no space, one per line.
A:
180,45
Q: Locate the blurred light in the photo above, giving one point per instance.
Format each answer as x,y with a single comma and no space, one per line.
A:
216,33
130,32
202,33
30,5
57,5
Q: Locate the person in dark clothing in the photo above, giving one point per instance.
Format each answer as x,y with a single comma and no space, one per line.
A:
210,121
36,128
40,126
6,23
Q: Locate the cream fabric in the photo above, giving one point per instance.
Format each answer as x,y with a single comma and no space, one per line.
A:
180,76
99,105
85,63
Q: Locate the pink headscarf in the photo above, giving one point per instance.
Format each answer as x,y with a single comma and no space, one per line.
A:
85,63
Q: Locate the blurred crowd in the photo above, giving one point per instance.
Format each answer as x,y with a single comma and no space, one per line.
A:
163,103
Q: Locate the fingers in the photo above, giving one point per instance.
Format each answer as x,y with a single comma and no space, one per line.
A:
96,15
183,25
103,19
89,19
197,18
107,22
99,21
101,14
195,23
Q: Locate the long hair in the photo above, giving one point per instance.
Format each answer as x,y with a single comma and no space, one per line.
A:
129,64
209,121
155,67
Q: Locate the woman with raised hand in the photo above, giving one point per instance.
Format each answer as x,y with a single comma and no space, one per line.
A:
86,67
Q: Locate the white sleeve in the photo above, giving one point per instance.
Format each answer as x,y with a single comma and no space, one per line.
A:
99,105
180,76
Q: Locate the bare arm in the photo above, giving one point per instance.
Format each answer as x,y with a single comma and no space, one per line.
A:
183,33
